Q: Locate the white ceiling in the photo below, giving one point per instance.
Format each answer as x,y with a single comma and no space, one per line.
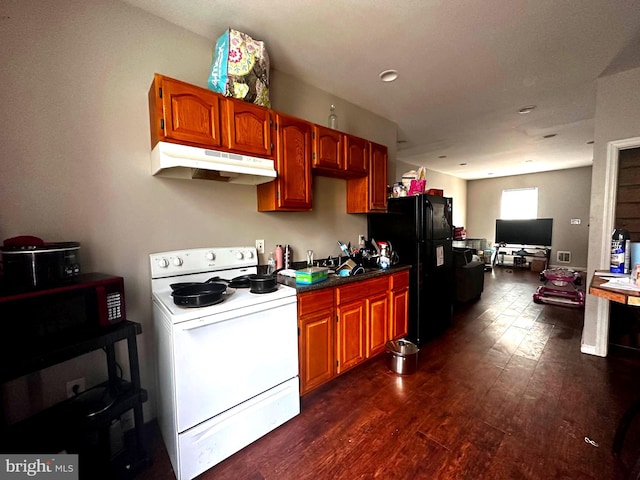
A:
465,68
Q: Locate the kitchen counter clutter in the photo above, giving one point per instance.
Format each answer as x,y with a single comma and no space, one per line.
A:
336,280
344,321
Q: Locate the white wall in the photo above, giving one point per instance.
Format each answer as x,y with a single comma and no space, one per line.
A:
75,162
562,195
453,187
617,118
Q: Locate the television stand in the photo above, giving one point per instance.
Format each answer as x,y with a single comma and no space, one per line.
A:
532,257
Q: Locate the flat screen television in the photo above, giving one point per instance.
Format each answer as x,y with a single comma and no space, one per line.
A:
535,232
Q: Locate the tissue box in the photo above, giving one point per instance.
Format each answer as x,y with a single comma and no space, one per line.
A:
310,275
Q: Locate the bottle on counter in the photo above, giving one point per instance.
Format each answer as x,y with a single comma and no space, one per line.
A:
288,257
271,264
620,251
279,257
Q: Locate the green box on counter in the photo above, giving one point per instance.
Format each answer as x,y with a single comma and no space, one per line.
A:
310,275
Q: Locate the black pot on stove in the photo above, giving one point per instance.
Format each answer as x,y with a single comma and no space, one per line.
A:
29,262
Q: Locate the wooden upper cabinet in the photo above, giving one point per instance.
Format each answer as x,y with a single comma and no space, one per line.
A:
369,194
291,191
328,153
247,128
356,155
183,113
378,178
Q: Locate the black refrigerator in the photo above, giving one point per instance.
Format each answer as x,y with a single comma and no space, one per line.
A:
420,230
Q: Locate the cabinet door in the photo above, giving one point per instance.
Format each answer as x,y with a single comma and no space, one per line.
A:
377,323
399,305
327,149
378,178
350,336
291,191
184,113
247,128
369,194
316,349
398,325
356,155
294,163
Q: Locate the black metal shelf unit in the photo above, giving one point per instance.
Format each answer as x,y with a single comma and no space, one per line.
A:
81,424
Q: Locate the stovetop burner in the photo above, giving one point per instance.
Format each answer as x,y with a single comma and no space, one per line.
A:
231,267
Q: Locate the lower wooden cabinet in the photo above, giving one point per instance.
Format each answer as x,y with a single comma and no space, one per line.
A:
350,338
340,327
316,321
377,324
399,305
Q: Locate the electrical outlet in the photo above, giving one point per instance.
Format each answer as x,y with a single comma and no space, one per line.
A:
74,387
260,246
575,221
360,239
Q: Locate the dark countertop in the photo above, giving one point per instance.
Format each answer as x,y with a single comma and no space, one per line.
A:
335,280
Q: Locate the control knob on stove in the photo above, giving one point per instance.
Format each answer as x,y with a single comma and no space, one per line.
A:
239,255
210,256
249,254
163,263
177,261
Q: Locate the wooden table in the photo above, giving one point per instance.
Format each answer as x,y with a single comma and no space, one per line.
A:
628,297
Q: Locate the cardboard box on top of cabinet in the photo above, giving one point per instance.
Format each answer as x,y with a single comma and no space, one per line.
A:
240,68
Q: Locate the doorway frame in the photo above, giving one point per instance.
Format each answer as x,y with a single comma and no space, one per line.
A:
608,221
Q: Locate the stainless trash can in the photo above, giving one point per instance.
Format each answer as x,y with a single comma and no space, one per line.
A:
402,356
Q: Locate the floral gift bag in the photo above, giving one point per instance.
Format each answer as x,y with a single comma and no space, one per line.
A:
240,68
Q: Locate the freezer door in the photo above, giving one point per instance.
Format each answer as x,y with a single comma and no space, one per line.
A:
437,217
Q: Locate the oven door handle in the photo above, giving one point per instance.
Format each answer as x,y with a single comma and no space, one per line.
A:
196,325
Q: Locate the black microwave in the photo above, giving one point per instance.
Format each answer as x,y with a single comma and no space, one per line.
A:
90,301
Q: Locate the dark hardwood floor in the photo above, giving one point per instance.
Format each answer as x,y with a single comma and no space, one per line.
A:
504,394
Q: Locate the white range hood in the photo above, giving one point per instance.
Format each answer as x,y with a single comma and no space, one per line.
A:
182,161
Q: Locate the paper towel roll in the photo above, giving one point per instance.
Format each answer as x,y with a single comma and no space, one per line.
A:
635,254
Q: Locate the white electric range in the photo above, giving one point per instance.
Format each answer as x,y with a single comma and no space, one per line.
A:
227,372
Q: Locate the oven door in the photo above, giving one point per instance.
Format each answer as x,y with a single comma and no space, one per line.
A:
223,360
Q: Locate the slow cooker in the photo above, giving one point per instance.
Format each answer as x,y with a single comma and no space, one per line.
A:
35,263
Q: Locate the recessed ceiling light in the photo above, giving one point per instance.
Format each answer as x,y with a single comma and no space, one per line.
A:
551,135
442,156
388,75
527,109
